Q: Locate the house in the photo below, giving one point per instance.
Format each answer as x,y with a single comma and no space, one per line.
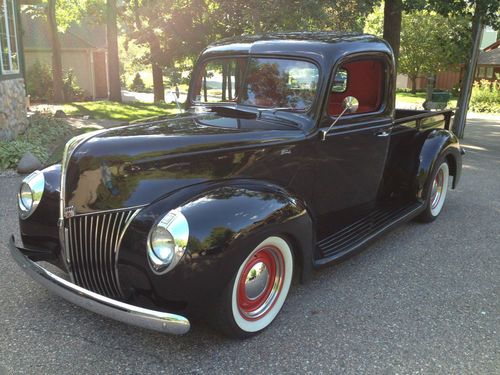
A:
488,67
488,63
13,119
83,49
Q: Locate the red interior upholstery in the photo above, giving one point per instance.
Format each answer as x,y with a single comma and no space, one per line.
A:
364,82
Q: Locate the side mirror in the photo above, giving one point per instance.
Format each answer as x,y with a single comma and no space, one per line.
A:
350,105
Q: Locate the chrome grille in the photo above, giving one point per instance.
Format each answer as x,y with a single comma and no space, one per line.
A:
93,242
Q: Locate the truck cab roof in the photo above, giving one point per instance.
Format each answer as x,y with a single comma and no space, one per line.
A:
319,46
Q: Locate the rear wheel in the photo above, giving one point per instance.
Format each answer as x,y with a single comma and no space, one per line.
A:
437,192
258,291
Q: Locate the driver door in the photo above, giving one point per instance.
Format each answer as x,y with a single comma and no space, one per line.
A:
352,158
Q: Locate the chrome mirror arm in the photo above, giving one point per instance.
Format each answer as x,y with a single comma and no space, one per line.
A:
325,132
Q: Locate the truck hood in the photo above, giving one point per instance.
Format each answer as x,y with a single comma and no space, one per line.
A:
137,164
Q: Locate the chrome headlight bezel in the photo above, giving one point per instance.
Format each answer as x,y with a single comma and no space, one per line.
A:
35,182
174,228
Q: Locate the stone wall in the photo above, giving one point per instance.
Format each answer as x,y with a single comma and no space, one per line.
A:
13,118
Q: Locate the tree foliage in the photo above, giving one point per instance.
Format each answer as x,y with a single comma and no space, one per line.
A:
489,10
176,30
60,14
429,42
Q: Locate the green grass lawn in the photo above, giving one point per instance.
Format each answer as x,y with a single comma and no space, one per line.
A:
126,112
419,98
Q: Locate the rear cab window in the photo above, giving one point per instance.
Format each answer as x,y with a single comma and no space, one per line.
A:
362,78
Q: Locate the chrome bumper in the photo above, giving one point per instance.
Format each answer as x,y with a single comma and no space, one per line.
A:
130,314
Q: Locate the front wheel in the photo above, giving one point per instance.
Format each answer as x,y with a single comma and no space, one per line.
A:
437,192
258,291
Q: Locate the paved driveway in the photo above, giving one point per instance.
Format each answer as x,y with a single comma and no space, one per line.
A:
423,299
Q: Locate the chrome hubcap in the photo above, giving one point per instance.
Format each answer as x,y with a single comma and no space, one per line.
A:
256,280
437,189
260,283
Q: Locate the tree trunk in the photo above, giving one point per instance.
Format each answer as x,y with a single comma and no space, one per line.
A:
224,80
205,92
57,73
158,86
229,82
392,24
413,85
237,80
431,81
115,93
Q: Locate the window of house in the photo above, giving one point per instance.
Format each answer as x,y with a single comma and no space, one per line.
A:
9,58
363,79
489,72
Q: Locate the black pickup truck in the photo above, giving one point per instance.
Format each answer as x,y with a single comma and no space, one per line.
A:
290,155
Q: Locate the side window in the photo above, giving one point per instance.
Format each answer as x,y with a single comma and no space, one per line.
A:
364,79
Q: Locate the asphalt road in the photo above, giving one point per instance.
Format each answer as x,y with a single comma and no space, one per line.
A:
423,299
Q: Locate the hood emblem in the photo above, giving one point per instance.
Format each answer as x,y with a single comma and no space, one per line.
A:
69,212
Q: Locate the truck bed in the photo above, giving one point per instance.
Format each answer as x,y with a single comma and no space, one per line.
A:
424,119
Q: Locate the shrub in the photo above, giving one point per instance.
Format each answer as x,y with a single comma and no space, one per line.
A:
44,134
485,97
39,82
138,84
72,92
11,152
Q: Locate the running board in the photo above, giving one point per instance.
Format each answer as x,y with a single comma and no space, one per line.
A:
357,234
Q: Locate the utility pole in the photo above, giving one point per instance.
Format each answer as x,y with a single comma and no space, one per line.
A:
468,81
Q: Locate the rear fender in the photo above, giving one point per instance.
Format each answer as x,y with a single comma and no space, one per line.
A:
438,143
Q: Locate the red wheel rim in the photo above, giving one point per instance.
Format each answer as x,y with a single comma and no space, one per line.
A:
270,263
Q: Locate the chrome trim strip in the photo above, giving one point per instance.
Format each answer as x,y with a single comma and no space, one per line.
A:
106,239
131,208
109,252
131,216
150,319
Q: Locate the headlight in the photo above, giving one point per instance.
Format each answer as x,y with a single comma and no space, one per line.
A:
167,242
26,197
30,193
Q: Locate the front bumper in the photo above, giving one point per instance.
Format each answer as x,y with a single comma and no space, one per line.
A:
130,314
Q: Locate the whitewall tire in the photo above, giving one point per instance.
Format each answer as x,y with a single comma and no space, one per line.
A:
262,284
437,191
258,290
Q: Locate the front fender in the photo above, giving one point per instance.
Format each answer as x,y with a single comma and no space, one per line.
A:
226,222
438,143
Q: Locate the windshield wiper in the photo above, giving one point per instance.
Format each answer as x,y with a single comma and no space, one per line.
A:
233,112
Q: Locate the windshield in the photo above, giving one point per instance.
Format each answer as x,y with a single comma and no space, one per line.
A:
259,82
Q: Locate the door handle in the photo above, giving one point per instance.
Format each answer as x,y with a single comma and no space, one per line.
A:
383,133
